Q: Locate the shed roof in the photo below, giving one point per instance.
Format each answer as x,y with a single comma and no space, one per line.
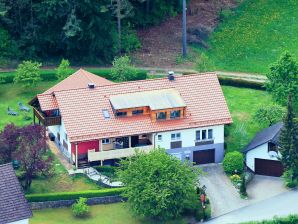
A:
13,204
155,99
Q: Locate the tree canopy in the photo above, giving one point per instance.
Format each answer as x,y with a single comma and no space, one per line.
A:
269,114
28,73
123,70
158,185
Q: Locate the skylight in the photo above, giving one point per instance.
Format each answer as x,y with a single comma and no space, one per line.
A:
106,114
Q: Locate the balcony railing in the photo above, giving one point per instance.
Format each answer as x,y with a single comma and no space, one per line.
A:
47,121
116,153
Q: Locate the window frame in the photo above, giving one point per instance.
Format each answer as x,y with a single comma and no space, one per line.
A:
158,113
174,136
210,130
121,113
159,137
105,142
175,112
204,132
137,112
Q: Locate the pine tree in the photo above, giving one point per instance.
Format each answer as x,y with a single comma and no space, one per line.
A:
288,141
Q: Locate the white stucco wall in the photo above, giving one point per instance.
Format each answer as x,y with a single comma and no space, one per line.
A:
188,136
24,221
260,152
61,129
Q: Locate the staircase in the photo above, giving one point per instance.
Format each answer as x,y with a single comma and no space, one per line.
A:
82,164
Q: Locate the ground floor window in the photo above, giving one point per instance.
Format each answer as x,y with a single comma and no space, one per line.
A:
106,141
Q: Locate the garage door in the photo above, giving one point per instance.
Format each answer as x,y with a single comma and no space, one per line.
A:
204,156
268,167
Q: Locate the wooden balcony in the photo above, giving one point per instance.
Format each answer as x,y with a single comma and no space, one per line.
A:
47,121
116,153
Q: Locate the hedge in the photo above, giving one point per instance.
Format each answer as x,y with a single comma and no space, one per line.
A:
50,75
73,195
241,83
291,219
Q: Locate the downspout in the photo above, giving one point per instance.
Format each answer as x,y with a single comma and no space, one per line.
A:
76,155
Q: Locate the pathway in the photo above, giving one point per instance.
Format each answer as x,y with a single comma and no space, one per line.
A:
53,147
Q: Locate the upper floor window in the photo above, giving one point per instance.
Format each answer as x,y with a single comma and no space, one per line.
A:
175,114
106,141
210,134
204,135
137,112
272,147
175,136
198,135
121,114
159,137
161,115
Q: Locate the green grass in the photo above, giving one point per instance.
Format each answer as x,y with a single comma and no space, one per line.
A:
255,36
99,214
243,103
61,181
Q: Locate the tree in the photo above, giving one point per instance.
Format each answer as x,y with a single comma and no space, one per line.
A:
80,208
123,70
8,143
32,153
283,79
28,73
288,142
269,114
64,70
121,9
158,185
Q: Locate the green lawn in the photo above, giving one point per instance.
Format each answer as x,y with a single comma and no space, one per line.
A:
255,36
99,214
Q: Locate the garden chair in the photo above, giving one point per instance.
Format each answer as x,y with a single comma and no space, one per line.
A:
11,112
23,108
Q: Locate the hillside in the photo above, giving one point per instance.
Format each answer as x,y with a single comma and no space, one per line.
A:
255,36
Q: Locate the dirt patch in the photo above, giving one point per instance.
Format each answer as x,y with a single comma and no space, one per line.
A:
161,45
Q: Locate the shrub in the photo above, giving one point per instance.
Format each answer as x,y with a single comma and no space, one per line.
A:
123,70
225,14
291,219
80,208
243,186
233,163
63,70
241,83
203,64
289,182
109,171
130,40
203,214
73,195
235,178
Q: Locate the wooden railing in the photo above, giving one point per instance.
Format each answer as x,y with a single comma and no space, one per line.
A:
47,121
116,153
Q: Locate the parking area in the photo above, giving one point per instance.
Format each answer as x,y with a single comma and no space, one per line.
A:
225,198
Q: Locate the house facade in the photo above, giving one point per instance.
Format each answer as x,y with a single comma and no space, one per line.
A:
262,155
93,120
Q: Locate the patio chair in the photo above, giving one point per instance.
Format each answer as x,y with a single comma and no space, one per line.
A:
12,112
23,108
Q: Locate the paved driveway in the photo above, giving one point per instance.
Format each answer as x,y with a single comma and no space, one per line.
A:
223,196
281,205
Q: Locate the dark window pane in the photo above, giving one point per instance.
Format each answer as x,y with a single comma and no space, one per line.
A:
210,134
198,135
121,114
175,114
203,134
137,112
161,115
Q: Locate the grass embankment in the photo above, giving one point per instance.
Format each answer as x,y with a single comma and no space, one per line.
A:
99,214
255,36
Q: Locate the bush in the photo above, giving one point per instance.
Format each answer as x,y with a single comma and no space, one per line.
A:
235,179
109,171
203,214
225,14
233,163
130,40
73,195
291,219
241,83
243,186
80,208
287,176
203,64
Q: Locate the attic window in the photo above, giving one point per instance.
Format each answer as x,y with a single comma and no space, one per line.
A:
106,114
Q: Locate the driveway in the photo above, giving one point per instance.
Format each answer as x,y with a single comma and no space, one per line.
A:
225,198
223,195
281,205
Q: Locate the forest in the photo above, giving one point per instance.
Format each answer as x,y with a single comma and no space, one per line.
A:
83,31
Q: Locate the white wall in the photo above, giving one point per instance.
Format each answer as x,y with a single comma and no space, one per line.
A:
24,221
260,152
188,136
61,129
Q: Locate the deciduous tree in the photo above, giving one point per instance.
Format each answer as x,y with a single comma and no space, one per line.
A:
269,114
123,70
8,142
158,185
28,73
64,70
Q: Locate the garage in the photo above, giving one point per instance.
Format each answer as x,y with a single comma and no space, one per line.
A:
268,167
204,156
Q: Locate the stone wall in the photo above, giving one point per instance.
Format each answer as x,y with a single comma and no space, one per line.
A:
68,203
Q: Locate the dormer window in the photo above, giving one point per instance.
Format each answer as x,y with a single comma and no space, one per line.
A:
121,113
175,114
161,116
137,112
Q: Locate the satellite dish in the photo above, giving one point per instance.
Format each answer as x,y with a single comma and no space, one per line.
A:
273,154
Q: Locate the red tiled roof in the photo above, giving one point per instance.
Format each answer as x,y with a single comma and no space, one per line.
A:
81,109
79,79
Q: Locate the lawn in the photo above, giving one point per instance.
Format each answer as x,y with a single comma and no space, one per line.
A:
99,214
255,36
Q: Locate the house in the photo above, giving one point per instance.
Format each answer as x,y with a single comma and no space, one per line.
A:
96,121
261,154
14,208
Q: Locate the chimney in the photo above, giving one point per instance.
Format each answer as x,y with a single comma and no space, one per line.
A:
171,76
91,85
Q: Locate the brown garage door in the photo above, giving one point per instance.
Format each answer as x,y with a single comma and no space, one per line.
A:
268,167
204,156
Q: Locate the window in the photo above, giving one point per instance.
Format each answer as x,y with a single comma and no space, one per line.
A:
175,114
121,114
175,136
272,147
65,136
137,112
204,135
159,137
210,134
106,114
198,135
106,141
161,115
